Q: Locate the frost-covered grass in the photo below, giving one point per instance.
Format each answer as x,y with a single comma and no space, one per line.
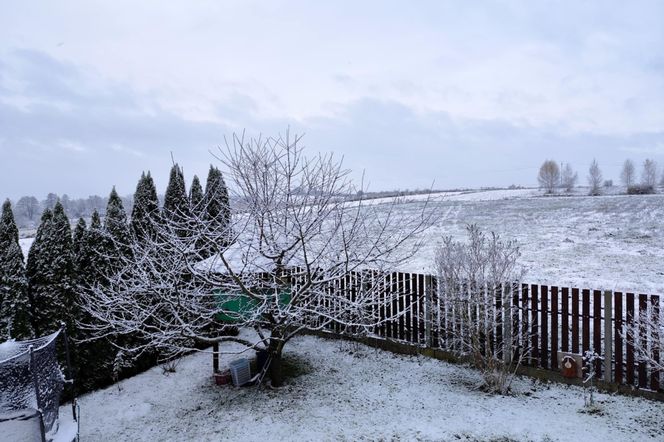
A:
352,392
606,242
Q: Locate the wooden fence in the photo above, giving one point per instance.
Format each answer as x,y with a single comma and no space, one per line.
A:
412,309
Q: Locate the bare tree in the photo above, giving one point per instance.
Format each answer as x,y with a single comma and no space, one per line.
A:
649,173
627,174
595,178
476,279
294,234
568,178
28,207
549,176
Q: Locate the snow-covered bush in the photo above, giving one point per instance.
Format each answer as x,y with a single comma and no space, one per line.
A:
476,280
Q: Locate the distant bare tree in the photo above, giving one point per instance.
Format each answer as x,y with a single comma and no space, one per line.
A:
569,178
50,201
595,178
649,173
627,174
28,207
549,175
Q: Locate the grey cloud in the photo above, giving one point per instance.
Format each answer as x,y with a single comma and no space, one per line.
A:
102,137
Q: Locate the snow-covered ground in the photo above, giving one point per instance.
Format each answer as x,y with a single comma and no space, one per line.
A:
353,392
608,242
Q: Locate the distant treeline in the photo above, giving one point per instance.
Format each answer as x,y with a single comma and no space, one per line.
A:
28,209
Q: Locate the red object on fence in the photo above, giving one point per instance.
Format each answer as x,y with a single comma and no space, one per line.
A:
569,367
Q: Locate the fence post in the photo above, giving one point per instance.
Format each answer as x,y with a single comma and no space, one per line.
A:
608,335
508,317
428,293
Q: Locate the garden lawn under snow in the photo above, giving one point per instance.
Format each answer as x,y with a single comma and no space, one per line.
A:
353,392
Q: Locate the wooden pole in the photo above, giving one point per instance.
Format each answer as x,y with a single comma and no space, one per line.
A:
215,358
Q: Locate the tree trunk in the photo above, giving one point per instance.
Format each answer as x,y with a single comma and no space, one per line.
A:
275,368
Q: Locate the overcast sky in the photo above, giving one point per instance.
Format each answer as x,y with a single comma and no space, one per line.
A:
463,93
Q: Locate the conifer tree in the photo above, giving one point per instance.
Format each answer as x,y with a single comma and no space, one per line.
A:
92,260
115,226
145,212
15,306
50,274
196,195
176,203
78,240
14,303
8,229
175,198
217,205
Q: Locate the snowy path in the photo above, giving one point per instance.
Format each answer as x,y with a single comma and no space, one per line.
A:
366,395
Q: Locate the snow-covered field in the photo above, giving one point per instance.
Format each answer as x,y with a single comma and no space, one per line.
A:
607,242
355,393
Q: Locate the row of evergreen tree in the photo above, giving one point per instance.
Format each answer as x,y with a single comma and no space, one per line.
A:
39,295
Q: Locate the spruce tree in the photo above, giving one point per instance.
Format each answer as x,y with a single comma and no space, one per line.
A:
14,303
116,228
175,198
15,320
50,274
77,240
145,212
176,203
196,196
8,229
35,265
92,260
217,207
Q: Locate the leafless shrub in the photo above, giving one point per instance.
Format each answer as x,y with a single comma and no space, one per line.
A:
476,278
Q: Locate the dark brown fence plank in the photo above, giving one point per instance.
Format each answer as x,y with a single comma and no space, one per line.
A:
585,320
420,330
499,320
618,336
564,320
554,328
643,366
629,356
516,319
654,316
534,322
402,306
597,330
525,323
575,321
438,315
544,326
408,301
